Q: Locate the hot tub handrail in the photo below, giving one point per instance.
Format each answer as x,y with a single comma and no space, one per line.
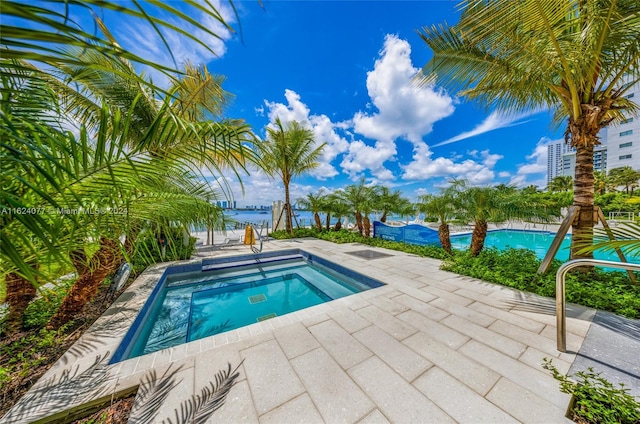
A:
561,304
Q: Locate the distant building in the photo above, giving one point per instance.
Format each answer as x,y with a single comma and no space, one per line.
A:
555,152
599,160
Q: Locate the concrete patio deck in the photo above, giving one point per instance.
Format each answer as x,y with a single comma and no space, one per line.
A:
430,346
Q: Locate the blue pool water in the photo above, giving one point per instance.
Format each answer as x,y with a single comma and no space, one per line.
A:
538,241
224,295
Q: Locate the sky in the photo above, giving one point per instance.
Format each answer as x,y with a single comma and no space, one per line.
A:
346,70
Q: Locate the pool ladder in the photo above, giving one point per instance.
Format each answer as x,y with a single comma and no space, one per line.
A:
561,303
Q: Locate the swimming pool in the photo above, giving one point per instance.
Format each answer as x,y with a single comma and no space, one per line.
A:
195,301
538,241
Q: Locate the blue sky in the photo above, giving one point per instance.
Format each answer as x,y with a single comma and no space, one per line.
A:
345,68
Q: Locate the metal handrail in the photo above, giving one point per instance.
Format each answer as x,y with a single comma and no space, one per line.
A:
561,303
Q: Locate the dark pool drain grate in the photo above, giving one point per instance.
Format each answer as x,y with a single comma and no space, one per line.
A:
257,298
266,317
369,254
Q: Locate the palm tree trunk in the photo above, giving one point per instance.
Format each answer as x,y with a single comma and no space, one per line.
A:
338,225
478,237
582,227
359,222
104,262
287,206
443,234
367,226
20,292
328,221
80,261
316,217
384,217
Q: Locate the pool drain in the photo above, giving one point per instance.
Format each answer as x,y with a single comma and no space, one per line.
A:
265,317
257,298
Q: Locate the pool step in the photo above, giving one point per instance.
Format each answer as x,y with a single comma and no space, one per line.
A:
252,261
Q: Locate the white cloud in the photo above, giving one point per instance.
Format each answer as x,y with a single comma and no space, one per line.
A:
403,110
324,130
424,167
493,122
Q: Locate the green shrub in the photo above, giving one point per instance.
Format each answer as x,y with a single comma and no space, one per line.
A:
148,251
609,291
596,400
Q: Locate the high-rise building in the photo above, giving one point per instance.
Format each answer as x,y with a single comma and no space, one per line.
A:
555,152
623,140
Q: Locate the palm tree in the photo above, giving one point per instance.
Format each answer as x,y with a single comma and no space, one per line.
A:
442,207
602,182
560,183
336,205
356,196
107,172
289,151
625,176
578,57
490,204
388,201
314,203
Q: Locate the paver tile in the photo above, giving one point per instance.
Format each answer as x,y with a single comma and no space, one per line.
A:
271,378
440,332
392,325
525,405
295,339
335,395
425,309
533,357
345,349
144,409
399,357
527,337
388,305
535,380
348,319
457,400
502,343
376,417
478,318
298,410
447,295
472,373
533,326
417,293
237,408
398,400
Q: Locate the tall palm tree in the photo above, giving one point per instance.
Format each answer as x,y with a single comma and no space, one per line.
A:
289,151
577,57
560,183
314,203
441,206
